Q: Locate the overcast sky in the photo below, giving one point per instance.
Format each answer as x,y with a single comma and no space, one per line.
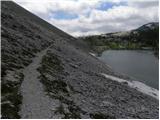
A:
86,17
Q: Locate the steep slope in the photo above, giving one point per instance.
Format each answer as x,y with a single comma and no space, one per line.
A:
47,74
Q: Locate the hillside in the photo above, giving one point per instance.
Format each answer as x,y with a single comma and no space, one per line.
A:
144,37
47,73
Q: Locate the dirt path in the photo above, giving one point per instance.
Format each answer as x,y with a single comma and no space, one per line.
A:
35,103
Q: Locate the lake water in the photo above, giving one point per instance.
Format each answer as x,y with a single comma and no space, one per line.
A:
139,64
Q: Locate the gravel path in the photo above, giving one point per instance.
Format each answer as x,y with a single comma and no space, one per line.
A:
35,103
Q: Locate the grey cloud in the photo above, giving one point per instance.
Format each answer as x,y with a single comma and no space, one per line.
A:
144,4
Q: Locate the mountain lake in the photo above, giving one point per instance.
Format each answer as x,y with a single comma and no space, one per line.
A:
141,65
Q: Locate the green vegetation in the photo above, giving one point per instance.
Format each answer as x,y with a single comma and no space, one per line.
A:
137,39
99,44
150,38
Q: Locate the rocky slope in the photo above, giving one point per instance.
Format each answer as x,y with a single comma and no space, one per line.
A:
47,73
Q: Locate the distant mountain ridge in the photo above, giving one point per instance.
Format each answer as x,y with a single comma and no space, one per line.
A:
145,36
148,26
